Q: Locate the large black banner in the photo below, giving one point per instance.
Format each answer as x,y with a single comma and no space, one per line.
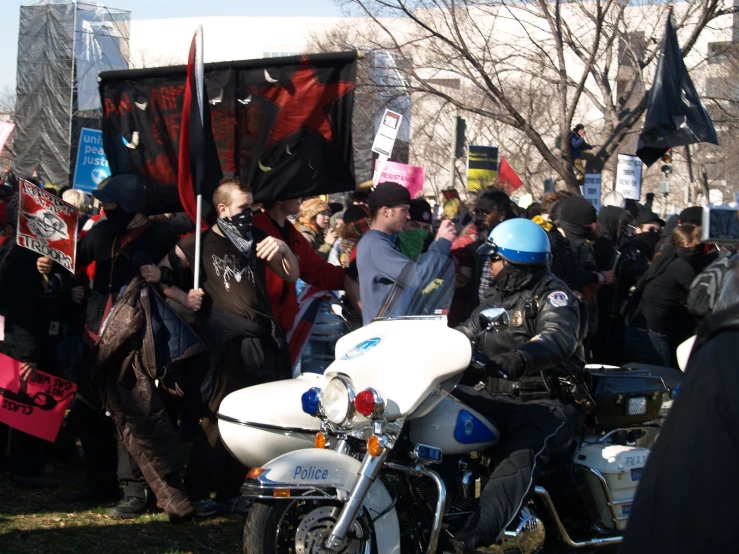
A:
283,124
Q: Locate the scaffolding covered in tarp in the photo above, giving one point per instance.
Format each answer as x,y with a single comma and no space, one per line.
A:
62,47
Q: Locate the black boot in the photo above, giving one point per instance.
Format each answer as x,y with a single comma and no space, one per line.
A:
466,542
130,507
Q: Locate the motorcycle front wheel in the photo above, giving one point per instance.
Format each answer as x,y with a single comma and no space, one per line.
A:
301,527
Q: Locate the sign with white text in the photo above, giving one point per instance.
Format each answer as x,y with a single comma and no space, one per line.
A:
92,165
386,134
628,176
591,189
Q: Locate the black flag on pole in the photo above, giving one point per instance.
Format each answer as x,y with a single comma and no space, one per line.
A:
282,124
675,115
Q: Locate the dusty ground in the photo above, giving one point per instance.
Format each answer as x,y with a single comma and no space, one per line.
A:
40,522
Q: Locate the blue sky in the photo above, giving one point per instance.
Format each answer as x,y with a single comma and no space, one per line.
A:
155,9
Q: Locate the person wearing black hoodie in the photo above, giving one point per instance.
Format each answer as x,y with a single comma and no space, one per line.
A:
662,321
607,341
578,221
29,310
678,488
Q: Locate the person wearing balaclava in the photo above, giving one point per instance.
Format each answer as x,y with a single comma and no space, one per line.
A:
118,245
578,222
235,319
677,485
648,231
417,235
606,343
662,320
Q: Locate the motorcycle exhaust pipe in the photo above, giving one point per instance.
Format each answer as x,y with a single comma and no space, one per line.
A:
542,493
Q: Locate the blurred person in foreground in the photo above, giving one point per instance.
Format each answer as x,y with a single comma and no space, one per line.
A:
682,505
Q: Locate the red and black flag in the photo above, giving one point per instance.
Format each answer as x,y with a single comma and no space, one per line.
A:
282,124
199,169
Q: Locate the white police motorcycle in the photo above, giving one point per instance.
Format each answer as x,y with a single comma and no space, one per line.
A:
378,456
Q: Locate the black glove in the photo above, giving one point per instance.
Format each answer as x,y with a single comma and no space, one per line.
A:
510,366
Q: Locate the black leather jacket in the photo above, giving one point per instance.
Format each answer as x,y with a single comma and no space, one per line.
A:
545,325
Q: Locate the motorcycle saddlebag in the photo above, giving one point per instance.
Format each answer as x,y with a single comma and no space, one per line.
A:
623,398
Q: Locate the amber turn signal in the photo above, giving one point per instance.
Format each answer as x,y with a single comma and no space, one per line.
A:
321,440
281,493
374,446
255,472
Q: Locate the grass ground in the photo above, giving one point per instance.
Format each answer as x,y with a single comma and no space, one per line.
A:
40,522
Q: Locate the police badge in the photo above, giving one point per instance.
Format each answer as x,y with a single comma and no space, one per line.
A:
517,319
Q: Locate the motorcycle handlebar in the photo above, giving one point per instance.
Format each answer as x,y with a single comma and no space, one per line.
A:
482,362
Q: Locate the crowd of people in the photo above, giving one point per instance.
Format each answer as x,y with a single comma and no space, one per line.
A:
152,368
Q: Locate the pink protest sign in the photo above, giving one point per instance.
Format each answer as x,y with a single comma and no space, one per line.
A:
36,406
410,176
5,129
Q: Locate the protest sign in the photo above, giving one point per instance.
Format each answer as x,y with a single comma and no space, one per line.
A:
5,129
386,134
628,176
47,225
92,165
482,167
591,189
410,176
35,406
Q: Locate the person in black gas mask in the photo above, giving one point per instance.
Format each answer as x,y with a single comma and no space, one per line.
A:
662,321
117,245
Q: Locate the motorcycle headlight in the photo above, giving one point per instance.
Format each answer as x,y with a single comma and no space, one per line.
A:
338,401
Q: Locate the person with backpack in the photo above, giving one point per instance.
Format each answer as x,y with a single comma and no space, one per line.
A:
706,287
662,321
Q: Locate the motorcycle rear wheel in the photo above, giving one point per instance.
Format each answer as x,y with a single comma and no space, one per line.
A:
300,527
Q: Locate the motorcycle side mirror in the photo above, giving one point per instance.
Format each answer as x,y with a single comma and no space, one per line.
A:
338,309
494,319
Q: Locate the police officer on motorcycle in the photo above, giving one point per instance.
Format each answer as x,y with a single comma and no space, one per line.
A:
532,364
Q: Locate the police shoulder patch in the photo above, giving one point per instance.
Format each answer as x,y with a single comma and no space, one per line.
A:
558,299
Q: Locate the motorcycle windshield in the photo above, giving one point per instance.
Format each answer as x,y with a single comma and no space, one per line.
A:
423,289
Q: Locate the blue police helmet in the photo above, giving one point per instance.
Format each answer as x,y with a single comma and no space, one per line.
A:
518,241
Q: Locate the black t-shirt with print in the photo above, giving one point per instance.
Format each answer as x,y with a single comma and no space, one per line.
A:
231,284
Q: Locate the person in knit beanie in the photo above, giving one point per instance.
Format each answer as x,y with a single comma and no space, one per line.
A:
313,223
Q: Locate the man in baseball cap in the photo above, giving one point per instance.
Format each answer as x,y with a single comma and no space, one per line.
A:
379,262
